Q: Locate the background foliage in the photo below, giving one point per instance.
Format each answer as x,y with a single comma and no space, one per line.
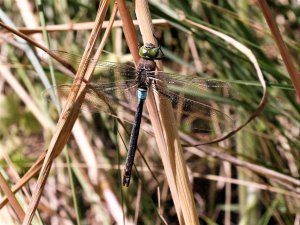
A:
224,193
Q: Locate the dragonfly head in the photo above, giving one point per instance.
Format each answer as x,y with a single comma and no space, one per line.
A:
149,51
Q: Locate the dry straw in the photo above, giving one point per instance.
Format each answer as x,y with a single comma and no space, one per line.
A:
166,135
69,114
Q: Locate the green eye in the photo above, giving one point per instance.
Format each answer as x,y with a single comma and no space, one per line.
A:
149,52
143,52
153,52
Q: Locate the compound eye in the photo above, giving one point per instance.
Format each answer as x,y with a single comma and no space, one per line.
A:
153,52
143,52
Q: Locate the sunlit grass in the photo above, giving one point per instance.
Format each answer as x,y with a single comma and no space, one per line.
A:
270,141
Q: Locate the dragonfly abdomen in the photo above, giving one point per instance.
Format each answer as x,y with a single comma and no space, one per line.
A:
141,94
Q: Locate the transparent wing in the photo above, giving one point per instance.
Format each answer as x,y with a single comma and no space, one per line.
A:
114,87
196,116
105,97
128,71
192,83
200,105
107,68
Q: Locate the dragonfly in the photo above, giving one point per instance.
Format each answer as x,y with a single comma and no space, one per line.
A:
190,97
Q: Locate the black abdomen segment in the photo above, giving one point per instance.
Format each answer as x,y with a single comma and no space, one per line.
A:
134,137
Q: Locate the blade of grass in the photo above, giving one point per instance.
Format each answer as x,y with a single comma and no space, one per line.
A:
47,41
73,190
246,51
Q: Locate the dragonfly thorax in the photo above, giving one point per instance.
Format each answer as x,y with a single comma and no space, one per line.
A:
145,73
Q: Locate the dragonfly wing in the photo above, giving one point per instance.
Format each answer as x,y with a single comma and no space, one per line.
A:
194,113
108,99
195,85
122,72
105,97
112,86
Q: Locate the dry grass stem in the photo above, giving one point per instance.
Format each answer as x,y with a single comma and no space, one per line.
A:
69,114
282,178
29,174
287,59
249,184
129,30
166,135
83,26
36,44
12,199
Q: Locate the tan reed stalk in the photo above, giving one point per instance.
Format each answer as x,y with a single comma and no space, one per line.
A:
166,134
12,199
